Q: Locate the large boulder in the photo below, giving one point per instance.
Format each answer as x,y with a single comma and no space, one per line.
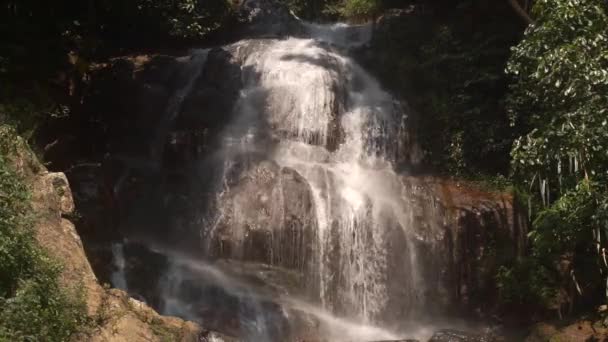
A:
267,216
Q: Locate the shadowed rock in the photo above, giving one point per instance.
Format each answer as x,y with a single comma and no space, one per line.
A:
459,336
267,18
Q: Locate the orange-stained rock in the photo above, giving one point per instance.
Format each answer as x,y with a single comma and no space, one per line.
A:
467,232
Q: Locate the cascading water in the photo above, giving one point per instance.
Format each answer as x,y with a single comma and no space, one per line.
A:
303,190
307,180
118,277
312,95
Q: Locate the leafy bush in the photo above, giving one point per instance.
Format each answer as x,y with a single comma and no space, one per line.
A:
355,9
565,242
166,18
559,98
526,283
39,35
559,101
26,112
569,222
33,306
453,77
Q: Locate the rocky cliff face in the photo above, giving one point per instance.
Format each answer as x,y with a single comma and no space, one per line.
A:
466,227
186,191
469,232
116,316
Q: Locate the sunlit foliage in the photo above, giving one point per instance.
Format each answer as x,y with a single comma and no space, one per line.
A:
559,100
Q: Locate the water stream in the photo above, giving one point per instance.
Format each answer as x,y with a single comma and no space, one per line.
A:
305,193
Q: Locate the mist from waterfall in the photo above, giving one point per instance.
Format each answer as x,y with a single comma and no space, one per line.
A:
260,318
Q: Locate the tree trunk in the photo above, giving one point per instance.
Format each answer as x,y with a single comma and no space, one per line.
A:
521,12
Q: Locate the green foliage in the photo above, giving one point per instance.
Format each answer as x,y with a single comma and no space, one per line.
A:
526,283
559,97
468,118
25,111
323,10
559,104
354,9
48,46
40,34
40,310
567,225
33,306
491,183
168,18
568,232
453,78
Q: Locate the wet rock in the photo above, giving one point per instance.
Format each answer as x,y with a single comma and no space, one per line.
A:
275,79
475,229
214,94
157,69
150,97
459,336
142,269
391,18
229,296
580,330
268,216
117,317
122,104
209,336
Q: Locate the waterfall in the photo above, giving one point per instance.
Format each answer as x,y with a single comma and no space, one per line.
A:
227,284
311,127
261,189
304,227
118,278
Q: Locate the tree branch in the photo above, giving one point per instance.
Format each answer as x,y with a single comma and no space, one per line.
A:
521,12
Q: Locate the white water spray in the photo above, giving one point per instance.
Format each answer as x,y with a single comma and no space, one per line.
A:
118,277
310,109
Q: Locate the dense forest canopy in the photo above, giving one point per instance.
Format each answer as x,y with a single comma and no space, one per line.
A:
558,104
514,92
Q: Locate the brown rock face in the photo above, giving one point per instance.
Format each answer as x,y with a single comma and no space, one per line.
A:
119,317
467,233
268,217
583,330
